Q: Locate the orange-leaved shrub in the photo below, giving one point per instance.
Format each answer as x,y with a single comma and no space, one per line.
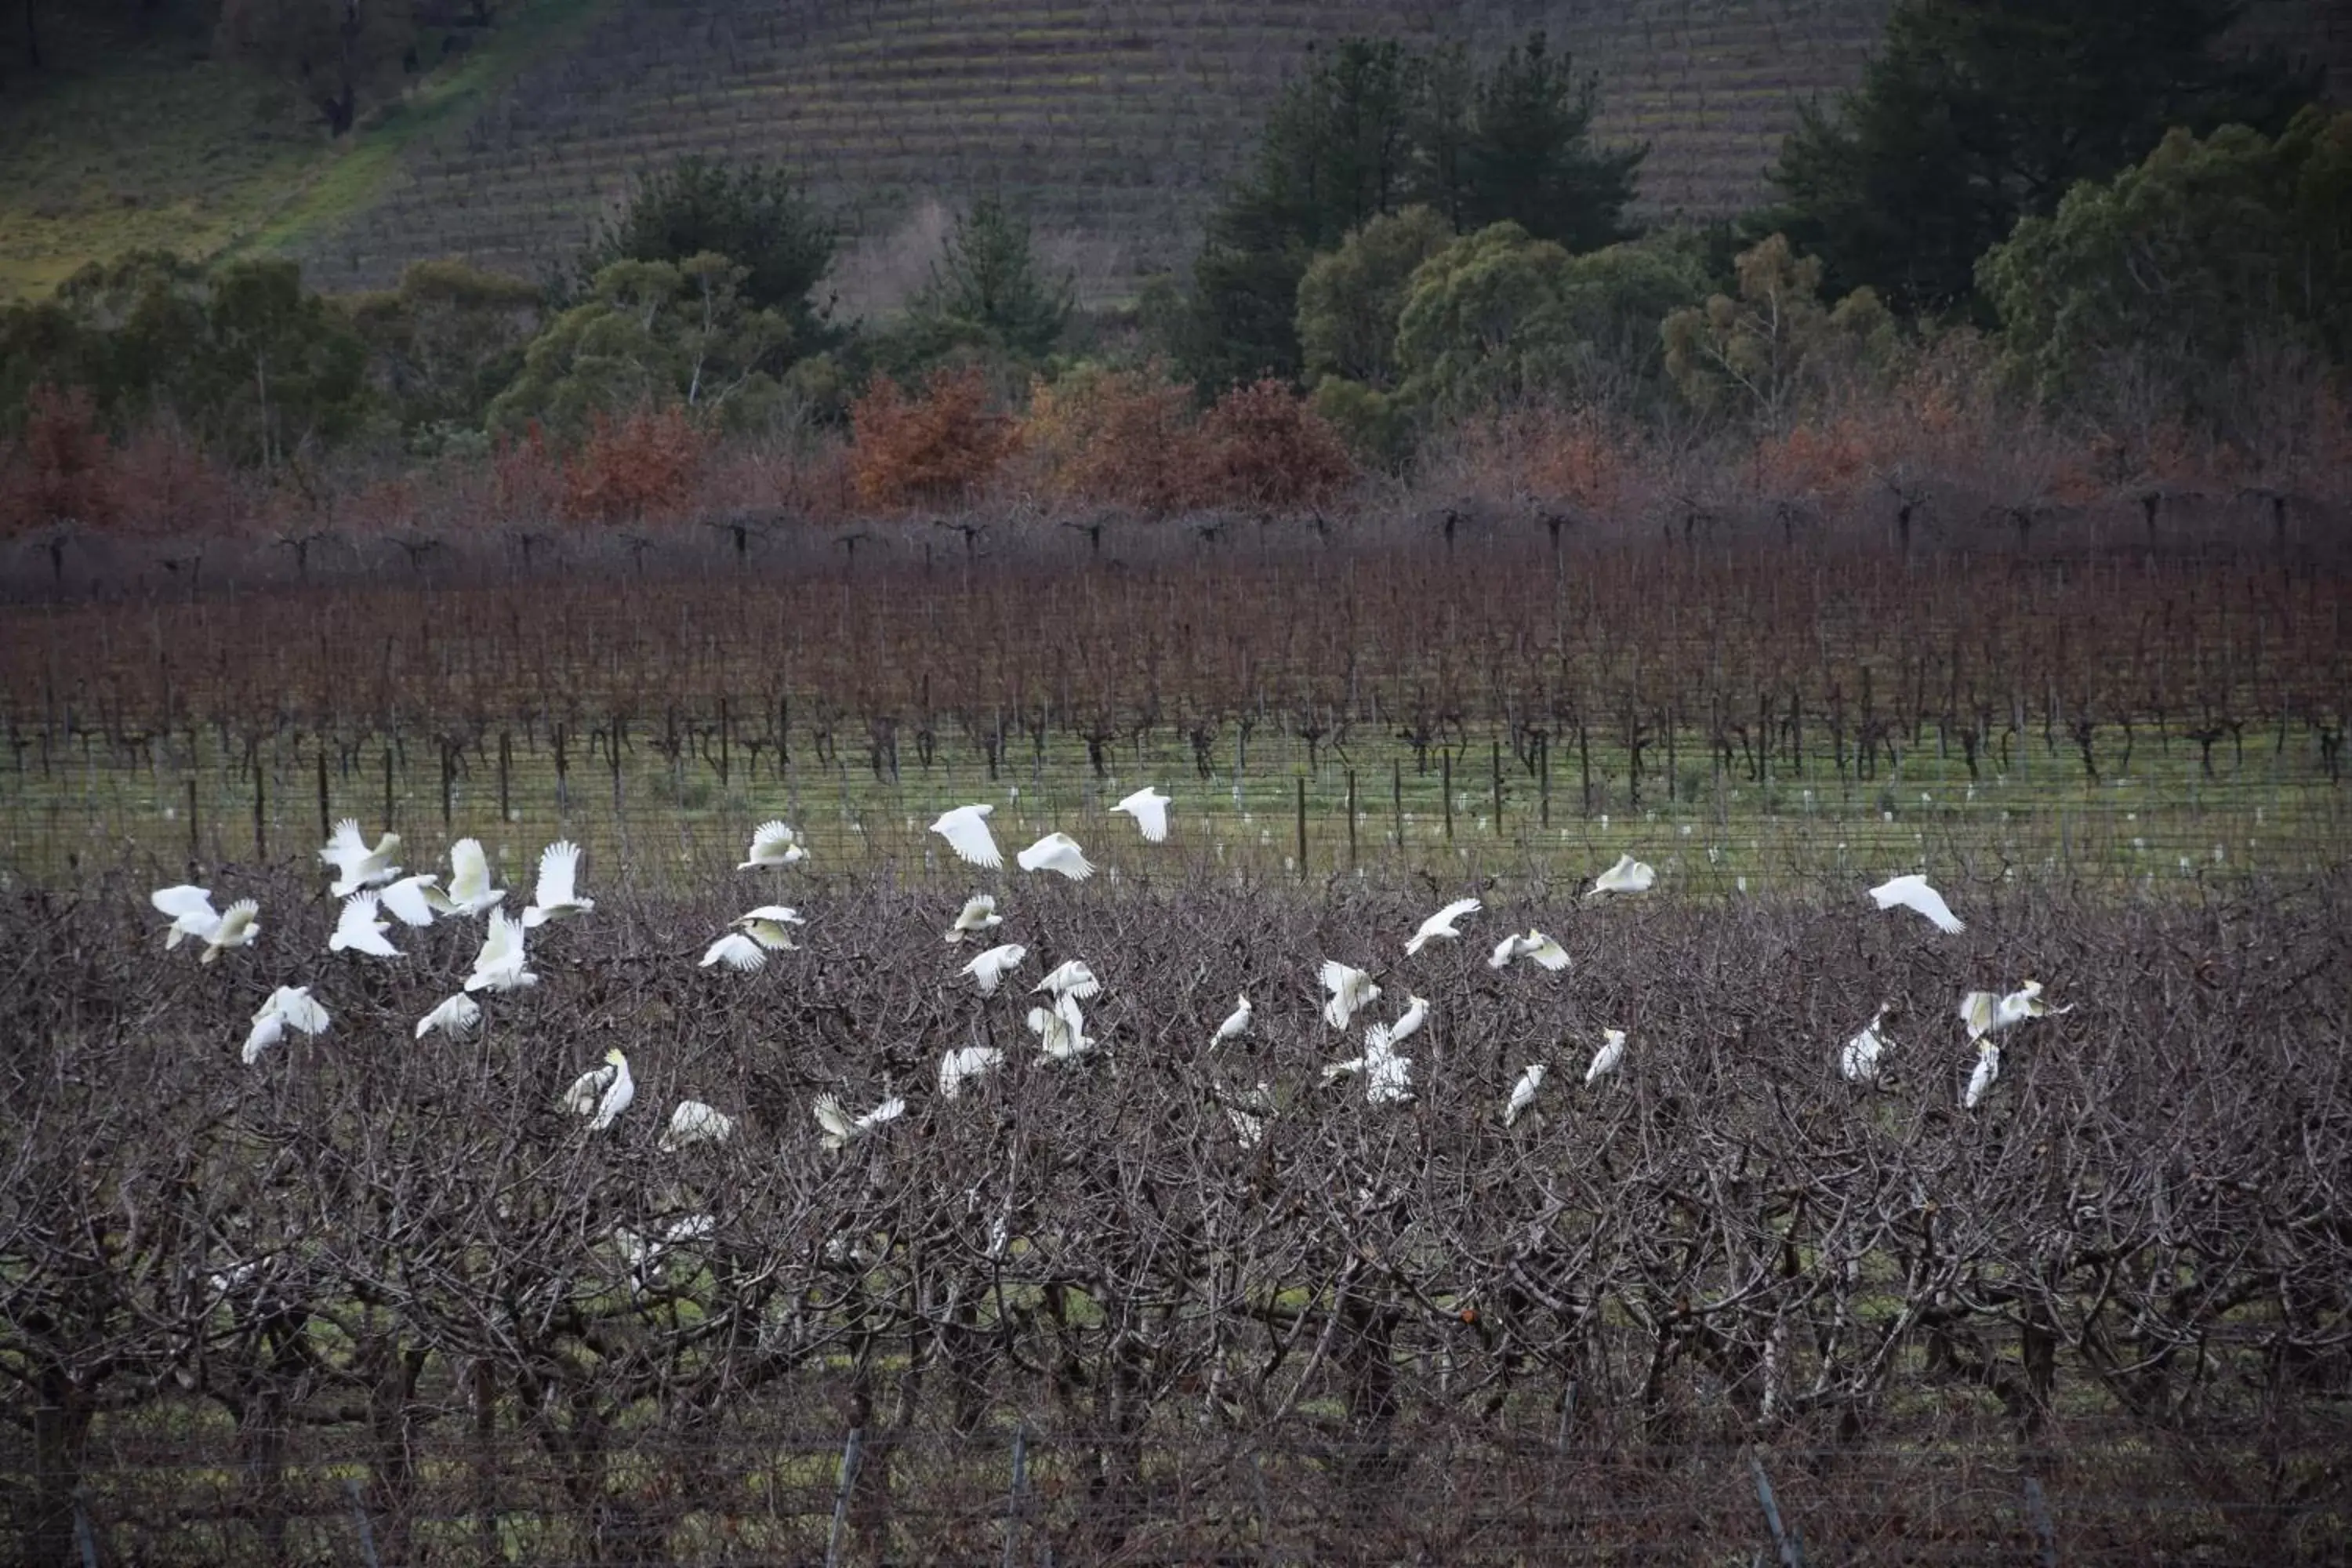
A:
58,470
938,446
1115,437
1264,445
1557,456
637,467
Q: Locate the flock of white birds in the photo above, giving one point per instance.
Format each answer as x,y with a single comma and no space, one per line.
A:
370,883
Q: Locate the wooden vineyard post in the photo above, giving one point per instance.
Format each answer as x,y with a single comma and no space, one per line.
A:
194,854
326,805
388,746
260,804
841,1497
1352,819
1302,826
448,778
1396,797
506,767
1495,772
563,777
1543,779
1445,781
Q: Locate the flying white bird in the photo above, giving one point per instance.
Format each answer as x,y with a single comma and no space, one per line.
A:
966,1062
1628,875
966,830
602,1092
694,1123
841,1128
1061,1031
1237,1023
357,929
1605,1060
769,926
192,913
1859,1060
1408,1022
1986,1014
238,925
289,1007
456,1015
1914,893
1986,1069
774,843
993,965
501,965
1057,852
357,866
413,900
555,897
1534,946
1150,809
1441,924
738,952
1071,978
1523,1093
979,914
1351,990
468,892
1388,1074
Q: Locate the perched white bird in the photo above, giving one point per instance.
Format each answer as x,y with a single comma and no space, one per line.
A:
601,1093
1057,852
1408,1022
1351,990
1150,809
841,1128
965,1063
774,843
769,926
1061,1031
993,965
192,913
358,929
357,866
738,952
1441,924
238,925
1523,1093
289,1007
644,1254
1986,1069
1535,945
470,891
1628,875
966,830
1859,1060
1986,1014
1914,893
694,1123
455,1015
979,914
1237,1023
415,900
501,965
1071,978
1605,1060
556,895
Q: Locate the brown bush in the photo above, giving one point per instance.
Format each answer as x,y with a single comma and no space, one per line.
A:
1117,437
938,447
1571,456
1264,445
57,471
164,483
526,477
639,467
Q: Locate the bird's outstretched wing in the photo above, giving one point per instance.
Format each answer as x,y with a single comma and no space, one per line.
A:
182,901
966,830
408,901
991,967
1150,813
300,1009
738,952
586,1089
559,869
455,1015
344,845
768,842
1546,953
838,1127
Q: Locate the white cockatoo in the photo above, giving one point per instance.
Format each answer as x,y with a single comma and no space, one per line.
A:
1628,875
961,1065
289,1007
993,965
1247,1111
501,965
841,1128
978,914
238,925
966,830
1387,1072
359,929
1440,926
1986,1014
1057,852
694,1123
468,890
1523,1093
452,1017
1061,1031
1408,1022
1237,1023
557,895
1071,978
1859,1059
413,900
1914,893
190,911
1351,990
769,925
1980,1081
1150,809
357,866
1534,946
774,843
601,1093
738,952
1605,1060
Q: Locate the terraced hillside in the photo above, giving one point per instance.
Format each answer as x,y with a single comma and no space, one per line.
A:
1113,121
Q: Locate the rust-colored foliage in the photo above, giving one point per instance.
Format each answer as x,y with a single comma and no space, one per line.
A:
1264,445
1576,456
1121,437
637,467
59,471
940,447
526,477
163,483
